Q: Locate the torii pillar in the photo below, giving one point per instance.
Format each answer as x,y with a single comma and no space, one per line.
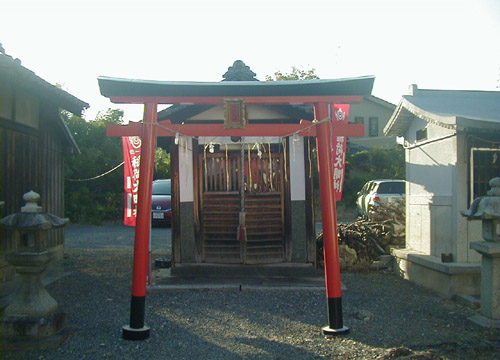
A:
329,219
137,330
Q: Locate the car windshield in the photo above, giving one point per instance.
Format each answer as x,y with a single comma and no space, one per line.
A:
161,188
391,188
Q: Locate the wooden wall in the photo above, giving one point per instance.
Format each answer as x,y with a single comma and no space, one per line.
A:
31,160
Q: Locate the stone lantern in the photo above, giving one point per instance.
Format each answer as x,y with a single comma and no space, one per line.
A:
33,320
487,209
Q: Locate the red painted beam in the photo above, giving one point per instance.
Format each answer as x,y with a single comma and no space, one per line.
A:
165,128
219,100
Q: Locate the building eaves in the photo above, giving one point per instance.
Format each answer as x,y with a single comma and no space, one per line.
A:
12,70
178,113
478,105
450,109
405,113
399,121
68,136
380,101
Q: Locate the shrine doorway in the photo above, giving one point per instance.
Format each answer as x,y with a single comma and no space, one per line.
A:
259,194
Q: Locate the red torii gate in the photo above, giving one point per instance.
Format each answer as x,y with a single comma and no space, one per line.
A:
319,93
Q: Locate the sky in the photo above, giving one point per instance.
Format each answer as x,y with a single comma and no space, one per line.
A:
436,44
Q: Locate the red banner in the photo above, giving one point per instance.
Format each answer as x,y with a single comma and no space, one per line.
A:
132,159
340,113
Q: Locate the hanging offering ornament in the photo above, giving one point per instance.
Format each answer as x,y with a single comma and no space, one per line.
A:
227,170
249,169
309,157
205,161
295,139
283,142
270,167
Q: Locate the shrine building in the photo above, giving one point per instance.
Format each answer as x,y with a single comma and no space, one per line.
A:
241,155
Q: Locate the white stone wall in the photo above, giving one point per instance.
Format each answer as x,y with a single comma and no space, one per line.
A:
436,173
467,230
297,168
430,173
415,125
186,169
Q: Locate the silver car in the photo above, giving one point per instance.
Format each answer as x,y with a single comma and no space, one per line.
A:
375,192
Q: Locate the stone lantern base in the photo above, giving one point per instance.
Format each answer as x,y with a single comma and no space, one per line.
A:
487,209
34,332
33,320
490,286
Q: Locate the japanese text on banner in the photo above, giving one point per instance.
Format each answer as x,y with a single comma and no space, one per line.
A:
340,113
132,160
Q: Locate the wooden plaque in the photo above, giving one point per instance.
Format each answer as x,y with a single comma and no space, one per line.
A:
235,114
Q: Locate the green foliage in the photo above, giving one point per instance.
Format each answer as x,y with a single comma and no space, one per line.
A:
101,199
296,74
162,164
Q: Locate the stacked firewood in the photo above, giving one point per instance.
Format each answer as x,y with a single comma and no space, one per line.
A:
393,216
363,241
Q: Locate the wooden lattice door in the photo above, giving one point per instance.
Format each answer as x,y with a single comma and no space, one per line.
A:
263,205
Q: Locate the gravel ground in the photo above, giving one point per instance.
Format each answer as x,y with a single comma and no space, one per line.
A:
389,318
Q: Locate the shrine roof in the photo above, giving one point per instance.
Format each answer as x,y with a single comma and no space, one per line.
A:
460,109
119,87
11,70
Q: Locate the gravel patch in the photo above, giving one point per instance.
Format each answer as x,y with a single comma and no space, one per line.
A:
114,236
389,318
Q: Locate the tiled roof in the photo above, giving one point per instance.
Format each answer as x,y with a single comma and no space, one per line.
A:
11,69
457,109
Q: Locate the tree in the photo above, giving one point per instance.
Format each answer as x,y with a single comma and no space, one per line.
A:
296,74
162,164
89,197
93,193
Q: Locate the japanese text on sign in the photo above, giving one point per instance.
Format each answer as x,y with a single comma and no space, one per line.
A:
132,160
340,113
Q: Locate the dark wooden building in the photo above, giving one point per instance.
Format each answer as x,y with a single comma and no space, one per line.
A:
33,142
275,193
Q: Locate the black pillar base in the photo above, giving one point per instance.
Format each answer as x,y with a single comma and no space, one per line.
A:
329,331
129,333
335,322
136,330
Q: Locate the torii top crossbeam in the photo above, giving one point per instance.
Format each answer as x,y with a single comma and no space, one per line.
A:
338,91
319,93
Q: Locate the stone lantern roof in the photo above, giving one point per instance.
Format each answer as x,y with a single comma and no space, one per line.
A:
31,216
486,207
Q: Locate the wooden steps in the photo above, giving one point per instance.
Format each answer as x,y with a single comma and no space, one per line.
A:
264,243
